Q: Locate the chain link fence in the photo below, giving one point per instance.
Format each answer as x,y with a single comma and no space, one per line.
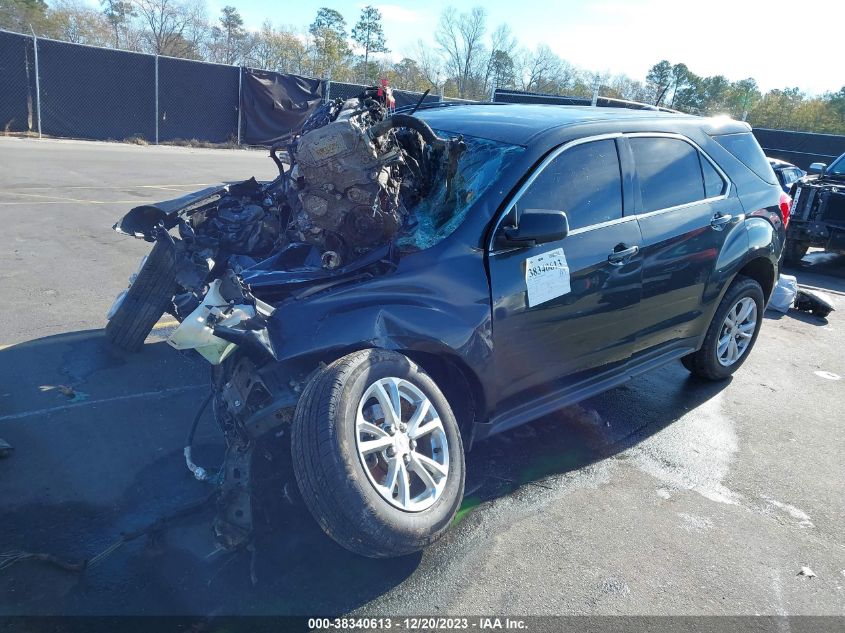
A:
76,91
17,78
96,93
197,100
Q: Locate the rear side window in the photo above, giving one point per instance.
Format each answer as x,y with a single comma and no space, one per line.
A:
748,151
714,185
790,176
585,181
669,170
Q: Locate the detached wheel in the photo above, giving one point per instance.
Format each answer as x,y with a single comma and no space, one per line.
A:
136,310
731,334
378,454
794,251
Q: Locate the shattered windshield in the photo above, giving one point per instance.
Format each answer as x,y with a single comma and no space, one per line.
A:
434,217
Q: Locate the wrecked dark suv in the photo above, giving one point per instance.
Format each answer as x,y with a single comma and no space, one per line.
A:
414,283
817,216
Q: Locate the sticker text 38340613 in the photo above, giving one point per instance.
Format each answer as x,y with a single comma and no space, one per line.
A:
546,276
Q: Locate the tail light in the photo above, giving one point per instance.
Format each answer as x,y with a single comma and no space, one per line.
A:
785,204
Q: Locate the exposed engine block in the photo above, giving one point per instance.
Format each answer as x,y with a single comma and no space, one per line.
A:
348,184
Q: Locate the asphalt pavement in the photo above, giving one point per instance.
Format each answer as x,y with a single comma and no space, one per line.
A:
664,496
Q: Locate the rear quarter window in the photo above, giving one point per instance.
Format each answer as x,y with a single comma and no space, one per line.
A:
747,150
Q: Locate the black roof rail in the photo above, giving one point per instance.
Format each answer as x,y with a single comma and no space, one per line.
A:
428,105
634,105
568,100
573,101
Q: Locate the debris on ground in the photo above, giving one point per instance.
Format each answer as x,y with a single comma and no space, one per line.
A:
66,390
813,301
784,294
806,571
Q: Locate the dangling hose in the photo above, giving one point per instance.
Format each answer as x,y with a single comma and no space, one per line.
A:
412,122
200,473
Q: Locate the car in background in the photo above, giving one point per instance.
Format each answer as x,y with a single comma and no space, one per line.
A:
787,173
817,215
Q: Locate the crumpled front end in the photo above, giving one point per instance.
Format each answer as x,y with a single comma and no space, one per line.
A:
817,217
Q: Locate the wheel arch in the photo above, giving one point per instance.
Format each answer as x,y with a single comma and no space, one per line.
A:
762,270
460,385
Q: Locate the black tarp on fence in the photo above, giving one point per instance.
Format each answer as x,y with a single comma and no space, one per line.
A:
800,148
342,90
197,100
108,94
273,105
95,93
408,98
17,83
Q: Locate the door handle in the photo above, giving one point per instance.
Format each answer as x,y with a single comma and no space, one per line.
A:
720,220
620,257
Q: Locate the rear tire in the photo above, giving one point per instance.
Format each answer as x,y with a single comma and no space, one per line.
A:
794,251
705,363
146,300
337,469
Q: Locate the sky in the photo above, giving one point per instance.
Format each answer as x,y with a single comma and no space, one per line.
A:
735,38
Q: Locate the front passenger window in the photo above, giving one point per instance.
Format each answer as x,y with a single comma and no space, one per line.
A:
584,181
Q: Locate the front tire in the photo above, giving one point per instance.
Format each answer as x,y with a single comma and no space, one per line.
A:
732,332
145,300
378,454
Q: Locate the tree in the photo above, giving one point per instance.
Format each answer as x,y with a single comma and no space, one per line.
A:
369,35
776,108
119,15
680,80
715,94
77,22
282,50
173,27
20,15
543,71
659,80
623,87
742,96
501,69
229,38
430,65
836,101
460,39
328,31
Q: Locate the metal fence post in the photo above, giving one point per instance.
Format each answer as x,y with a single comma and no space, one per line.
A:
328,94
37,81
240,100
156,87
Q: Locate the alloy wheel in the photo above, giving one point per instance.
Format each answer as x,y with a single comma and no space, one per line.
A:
402,444
737,331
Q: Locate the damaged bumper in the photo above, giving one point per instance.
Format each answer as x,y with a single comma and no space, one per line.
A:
226,318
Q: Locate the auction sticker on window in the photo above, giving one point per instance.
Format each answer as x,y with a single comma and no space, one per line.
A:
546,277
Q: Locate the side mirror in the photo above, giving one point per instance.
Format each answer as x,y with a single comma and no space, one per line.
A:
817,168
537,226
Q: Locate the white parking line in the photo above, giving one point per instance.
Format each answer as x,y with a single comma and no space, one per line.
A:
88,403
